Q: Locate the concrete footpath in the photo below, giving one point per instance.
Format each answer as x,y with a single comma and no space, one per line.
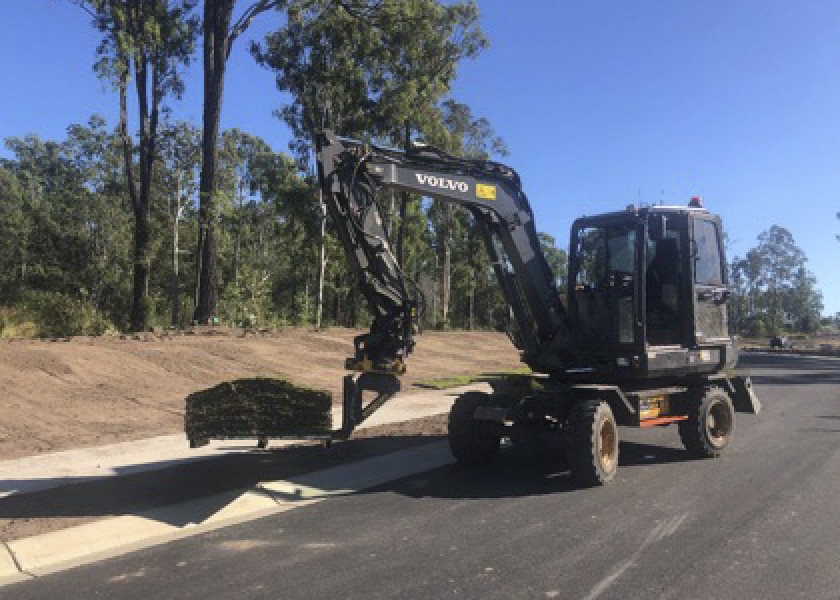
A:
55,469
41,554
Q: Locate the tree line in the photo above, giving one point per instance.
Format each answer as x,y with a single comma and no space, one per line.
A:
66,242
67,257
155,222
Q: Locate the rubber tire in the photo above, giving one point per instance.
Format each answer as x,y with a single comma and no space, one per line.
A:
583,442
468,440
695,433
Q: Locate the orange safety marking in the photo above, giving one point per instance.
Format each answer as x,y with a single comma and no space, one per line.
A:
662,421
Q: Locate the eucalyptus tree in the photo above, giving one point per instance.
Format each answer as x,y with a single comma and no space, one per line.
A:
14,232
803,301
242,158
220,32
95,150
180,155
284,240
365,68
144,46
781,261
53,200
474,137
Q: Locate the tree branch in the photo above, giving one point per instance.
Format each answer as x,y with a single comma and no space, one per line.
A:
244,21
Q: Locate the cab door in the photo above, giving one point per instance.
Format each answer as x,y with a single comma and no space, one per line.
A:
710,284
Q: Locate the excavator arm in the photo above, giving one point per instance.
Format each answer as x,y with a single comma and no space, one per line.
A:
352,173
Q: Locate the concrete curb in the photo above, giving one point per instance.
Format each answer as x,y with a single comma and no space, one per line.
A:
9,571
56,551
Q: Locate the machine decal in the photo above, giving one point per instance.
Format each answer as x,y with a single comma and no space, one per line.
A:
485,192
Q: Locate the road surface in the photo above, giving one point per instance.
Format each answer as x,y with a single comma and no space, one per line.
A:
761,522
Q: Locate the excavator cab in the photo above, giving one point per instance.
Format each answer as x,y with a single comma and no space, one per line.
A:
647,292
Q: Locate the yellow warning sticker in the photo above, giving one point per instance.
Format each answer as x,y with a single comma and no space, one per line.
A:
485,192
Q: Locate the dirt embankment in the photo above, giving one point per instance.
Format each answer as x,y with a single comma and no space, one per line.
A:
89,391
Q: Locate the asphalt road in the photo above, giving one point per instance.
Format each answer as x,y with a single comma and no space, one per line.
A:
761,522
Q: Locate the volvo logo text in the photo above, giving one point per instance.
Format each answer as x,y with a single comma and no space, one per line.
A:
440,182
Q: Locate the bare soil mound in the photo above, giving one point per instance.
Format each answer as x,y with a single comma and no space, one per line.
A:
56,395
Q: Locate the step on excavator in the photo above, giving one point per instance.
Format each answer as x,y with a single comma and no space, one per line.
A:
641,338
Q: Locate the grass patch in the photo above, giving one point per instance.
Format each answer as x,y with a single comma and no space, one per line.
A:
445,383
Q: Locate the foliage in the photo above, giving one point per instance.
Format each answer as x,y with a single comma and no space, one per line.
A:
376,69
773,290
556,258
371,64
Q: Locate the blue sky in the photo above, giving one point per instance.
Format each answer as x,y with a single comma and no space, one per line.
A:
602,103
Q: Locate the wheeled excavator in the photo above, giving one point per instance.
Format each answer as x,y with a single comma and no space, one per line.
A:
641,338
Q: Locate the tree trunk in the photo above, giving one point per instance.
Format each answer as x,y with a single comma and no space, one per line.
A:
435,295
175,288
217,17
305,298
237,245
322,260
446,271
139,313
472,304
354,303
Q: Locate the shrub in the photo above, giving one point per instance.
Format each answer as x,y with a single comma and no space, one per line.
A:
59,315
15,322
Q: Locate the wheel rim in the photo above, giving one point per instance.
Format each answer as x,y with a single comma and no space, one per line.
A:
608,449
718,423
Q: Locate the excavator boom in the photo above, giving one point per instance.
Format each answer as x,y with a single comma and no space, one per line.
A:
352,173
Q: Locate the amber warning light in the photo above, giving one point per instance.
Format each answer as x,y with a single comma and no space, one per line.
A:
696,202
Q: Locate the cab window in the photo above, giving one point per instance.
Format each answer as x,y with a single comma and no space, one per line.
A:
708,269
604,251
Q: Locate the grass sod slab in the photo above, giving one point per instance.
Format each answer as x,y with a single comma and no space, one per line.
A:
260,408
445,383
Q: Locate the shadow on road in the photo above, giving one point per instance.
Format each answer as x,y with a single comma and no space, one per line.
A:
516,473
76,502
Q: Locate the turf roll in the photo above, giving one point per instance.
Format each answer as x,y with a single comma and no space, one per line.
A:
259,407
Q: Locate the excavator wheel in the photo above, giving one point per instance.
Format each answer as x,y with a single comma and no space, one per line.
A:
469,440
592,442
711,421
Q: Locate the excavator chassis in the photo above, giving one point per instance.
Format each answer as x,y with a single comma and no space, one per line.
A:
583,419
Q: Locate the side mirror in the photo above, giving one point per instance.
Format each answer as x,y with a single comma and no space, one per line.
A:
658,227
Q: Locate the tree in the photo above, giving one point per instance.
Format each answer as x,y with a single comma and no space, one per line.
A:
369,65
803,302
471,137
293,226
556,258
144,44
181,157
68,259
14,231
96,153
219,37
773,288
781,259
